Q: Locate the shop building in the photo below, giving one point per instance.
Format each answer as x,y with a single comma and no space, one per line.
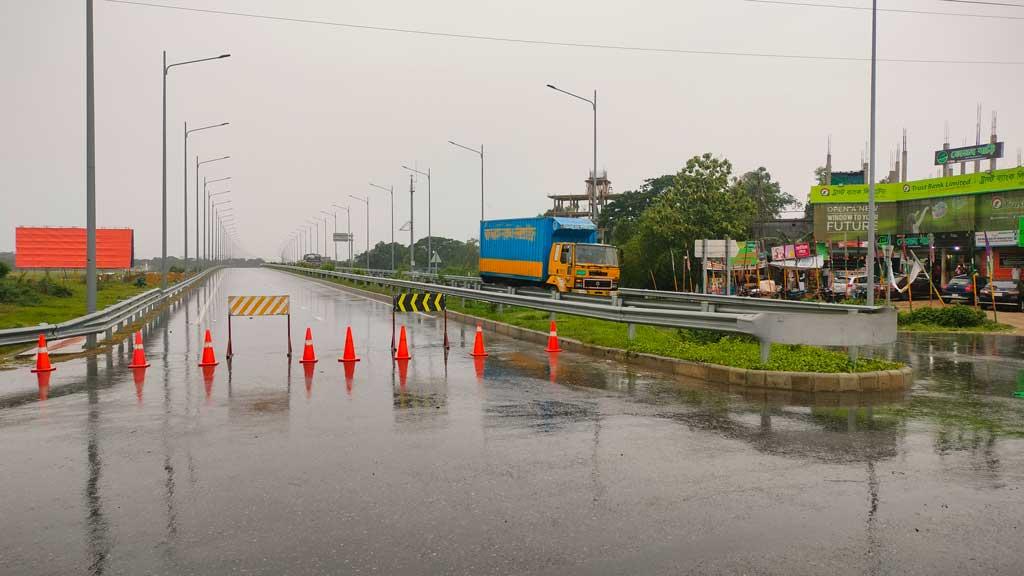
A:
949,223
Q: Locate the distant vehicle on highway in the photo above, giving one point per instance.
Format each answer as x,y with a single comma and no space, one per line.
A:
1007,294
960,289
313,259
560,253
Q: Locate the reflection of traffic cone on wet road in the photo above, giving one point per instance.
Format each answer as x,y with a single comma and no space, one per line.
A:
350,348
208,380
553,339
44,384
308,355
139,355
350,372
308,369
208,359
478,366
553,368
42,357
478,343
403,371
139,376
403,347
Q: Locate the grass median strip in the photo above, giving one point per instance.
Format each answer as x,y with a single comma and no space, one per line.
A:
705,346
35,298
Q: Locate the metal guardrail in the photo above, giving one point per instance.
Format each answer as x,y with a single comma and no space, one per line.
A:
101,321
768,321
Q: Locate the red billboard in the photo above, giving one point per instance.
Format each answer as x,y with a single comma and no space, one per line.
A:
39,247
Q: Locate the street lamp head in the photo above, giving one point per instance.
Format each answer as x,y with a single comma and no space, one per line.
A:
552,86
224,56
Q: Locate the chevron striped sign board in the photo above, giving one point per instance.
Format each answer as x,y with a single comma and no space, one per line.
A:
412,302
258,305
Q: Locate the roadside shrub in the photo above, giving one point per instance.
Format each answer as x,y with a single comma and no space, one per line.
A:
4,270
18,293
329,266
958,316
140,281
50,288
176,270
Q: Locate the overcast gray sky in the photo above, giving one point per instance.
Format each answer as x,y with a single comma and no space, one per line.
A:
317,111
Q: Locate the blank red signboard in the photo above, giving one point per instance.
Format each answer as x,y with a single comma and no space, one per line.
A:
37,247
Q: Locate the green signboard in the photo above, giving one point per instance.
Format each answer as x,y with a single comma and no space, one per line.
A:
967,184
1020,232
836,222
980,152
999,211
950,214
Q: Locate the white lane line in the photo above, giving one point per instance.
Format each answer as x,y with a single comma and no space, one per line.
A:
318,319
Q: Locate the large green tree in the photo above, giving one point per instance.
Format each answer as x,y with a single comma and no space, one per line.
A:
769,199
619,216
703,201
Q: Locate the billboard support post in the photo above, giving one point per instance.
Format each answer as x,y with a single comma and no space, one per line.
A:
90,175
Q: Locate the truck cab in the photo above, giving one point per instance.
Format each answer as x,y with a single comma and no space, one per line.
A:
584,268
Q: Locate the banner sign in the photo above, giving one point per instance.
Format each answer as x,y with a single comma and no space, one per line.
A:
996,238
979,152
802,250
778,252
342,237
835,222
979,183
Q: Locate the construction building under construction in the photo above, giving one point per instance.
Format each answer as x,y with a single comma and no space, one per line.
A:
586,205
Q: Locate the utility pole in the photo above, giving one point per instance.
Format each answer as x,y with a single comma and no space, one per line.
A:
412,241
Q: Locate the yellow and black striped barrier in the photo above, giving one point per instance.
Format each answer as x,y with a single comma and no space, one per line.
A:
259,306
412,302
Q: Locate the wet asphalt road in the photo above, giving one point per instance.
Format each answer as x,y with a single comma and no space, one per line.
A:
514,466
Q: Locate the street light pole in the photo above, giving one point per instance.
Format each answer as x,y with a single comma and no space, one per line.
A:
335,214
163,160
198,164
184,185
430,251
348,215
390,190
593,190
870,260
208,216
481,153
367,202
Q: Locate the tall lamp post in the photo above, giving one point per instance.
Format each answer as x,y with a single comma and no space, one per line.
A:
184,185
208,221
430,250
390,190
348,214
316,235
205,182
217,223
163,124
325,233
481,153
593,189
367,202
335,214
870,260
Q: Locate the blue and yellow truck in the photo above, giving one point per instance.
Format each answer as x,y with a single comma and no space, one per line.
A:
558,253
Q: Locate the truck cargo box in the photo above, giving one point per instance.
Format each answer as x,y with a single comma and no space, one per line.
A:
519,248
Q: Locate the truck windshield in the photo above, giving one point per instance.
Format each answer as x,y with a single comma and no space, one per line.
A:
597,255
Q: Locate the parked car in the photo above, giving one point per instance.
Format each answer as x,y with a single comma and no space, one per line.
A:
920,288
1007,294
960,289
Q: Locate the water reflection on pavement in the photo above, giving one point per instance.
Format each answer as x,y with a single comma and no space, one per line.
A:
519,462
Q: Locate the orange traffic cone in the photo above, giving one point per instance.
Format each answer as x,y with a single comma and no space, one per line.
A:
208,359
308,355
403,347
139,355
553,339
350,348
478,343
42,357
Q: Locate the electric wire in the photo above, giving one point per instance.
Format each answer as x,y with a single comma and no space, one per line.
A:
891,10
613,47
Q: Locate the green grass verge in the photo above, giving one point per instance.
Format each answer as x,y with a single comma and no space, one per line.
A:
989,326
54,309
694,345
